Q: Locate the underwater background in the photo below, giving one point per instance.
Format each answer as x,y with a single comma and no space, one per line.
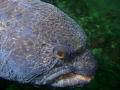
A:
100,20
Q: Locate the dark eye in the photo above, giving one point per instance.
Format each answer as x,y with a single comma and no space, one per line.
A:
59,52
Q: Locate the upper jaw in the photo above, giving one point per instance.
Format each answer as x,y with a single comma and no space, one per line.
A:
67,78
49,79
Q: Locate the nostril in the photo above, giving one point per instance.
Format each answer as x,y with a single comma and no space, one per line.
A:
78,52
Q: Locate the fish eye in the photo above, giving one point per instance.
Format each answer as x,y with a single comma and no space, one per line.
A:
59,52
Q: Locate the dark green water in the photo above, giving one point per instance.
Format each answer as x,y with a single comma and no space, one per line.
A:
101,21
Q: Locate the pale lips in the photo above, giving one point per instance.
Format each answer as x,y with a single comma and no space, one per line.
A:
71,79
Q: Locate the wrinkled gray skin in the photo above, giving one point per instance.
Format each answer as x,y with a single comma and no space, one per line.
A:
29,30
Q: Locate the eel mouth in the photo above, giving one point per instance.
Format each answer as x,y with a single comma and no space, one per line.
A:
71,79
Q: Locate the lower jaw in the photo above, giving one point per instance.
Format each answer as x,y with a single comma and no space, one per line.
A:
71,80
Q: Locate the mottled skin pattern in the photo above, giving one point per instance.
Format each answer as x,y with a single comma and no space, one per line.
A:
29,30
